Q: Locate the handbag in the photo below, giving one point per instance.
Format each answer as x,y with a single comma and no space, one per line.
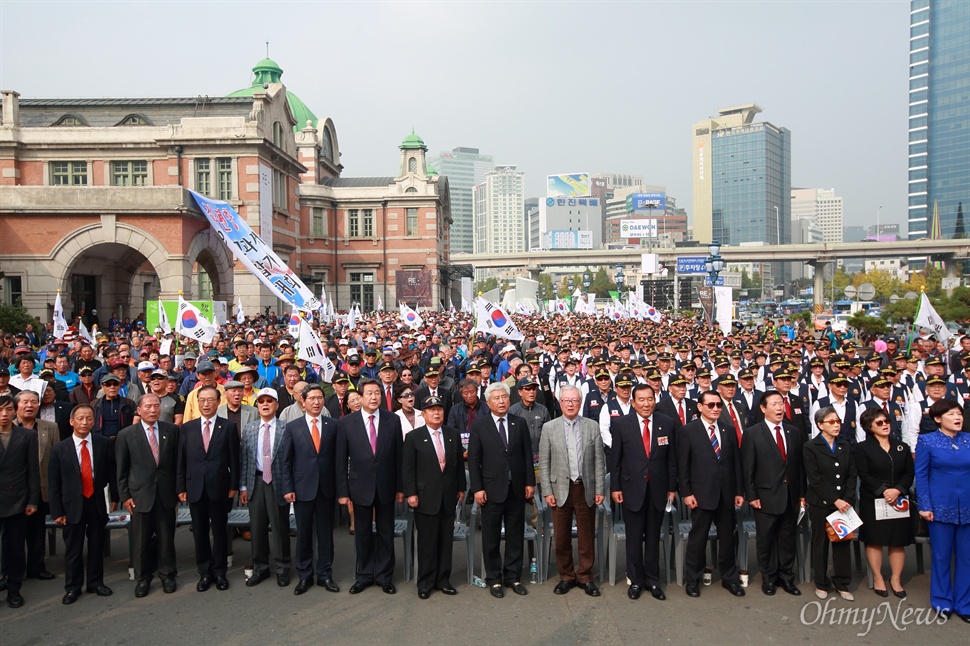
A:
835,537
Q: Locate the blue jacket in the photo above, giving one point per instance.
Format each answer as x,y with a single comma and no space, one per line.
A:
943,476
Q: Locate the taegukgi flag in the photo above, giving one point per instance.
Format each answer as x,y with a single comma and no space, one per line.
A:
492,319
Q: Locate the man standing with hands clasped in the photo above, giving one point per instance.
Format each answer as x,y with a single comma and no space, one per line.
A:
572,468
503,479
709,471
434,481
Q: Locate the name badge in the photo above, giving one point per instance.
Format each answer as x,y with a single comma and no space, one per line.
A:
798,411
662,441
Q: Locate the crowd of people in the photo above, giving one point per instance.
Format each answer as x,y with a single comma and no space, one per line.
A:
581,412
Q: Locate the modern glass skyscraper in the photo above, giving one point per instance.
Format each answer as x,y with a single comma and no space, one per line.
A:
939,116
464,168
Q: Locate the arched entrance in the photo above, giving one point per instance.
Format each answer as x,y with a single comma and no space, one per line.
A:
110,278
211,265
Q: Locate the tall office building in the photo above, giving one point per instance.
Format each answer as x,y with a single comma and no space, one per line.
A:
939,116
821,206
464,168
499,202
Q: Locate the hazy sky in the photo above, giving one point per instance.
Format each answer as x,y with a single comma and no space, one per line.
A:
548,86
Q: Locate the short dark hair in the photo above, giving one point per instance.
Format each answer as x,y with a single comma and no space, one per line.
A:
701,398
309,388
290,367
942,407
218,394
80,407
367,382
467,383
764,398
642,387
6,400
869,416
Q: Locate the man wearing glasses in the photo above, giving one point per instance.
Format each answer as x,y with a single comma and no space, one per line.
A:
709,472
112,412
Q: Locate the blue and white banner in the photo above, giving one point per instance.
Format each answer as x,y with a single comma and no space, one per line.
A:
251,251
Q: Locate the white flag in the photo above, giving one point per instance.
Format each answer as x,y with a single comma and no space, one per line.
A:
411,318
163,321
465,306
60,324
653,314
927,317
380,304
311,350
352,317
492,319
192,324
294,329
83,331
240,315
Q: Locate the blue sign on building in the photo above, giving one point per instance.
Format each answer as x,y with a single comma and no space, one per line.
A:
719,283
691,265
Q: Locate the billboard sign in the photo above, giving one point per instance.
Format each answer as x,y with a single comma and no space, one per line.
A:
646,202
691,265
566,239
638,229
570,185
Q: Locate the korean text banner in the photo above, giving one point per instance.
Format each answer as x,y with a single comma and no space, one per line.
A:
250,249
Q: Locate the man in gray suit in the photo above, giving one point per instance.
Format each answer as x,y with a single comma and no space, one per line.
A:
260,479
28,407
233,409
572,471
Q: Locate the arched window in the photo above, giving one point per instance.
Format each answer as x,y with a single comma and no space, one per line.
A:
70,120
134,120
327,148
412,165
278,133
411,189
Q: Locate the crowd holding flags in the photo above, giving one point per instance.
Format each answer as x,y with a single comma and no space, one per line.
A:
163,321
411,318
191,323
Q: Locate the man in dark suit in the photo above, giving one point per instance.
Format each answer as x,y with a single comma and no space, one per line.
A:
369,445
774,486
19,496
731,415
643,477
208,478
81,466
500,467
795,410
146,455
310,483
335,402
431,387
747,397
709,474
676,405
433,474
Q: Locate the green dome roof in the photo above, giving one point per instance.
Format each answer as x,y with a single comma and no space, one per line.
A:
432,172
267,71
412,141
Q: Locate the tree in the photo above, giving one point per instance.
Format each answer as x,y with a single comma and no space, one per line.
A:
841,279
867,325
14,318
486,285
602,284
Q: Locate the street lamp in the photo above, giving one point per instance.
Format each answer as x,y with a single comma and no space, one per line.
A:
619,279
587,280
714,265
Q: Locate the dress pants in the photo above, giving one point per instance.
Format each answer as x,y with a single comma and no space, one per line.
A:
724,520
436,535
13,533
775,540
265,514
562,526
153,535
841,554
92,526
512,511
37,539
315,514
211,557
643,543
950,584
375,552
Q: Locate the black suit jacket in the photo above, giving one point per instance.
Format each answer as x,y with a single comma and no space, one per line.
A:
668,408
19,473
139,478
447,397
306,472
62,417
332,404
491,467
766,477
800,414
213,473
830,475
64,478
362,476
741,403
700,473
630,469
436,489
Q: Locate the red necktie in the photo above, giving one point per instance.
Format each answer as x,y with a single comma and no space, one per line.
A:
734,418
87,472
373,436
206,436
885,409
646,437
787,409
389,405
680,412
781,444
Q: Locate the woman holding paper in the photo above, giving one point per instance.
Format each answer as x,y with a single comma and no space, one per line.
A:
886,476
943,488
831,473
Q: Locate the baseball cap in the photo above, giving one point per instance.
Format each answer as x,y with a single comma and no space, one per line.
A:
267,392
146,365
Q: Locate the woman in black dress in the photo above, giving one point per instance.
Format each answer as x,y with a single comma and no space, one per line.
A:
886,472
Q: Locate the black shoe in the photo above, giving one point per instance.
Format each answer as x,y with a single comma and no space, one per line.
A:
768,589
497,591
328,584
204,583
658,593
168,585
101,591
692,590
517,588
43,575
946,614
141,590
282,580
303,586
899,594
222,583
70,597
733,588
257,578
634,592
964,618
592,589
881,593
3,584
448,589
14,600
564,586
389,588
357,588
789,587
424,594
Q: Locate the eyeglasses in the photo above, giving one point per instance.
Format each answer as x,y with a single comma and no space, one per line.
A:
834,420
713,404
407,396
881,422
569,401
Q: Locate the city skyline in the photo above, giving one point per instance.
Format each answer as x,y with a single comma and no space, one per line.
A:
838,85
